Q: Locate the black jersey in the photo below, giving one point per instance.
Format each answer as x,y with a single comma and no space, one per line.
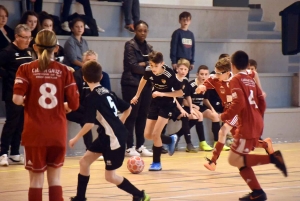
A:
103,105
186,88
164,82
197,99
11,58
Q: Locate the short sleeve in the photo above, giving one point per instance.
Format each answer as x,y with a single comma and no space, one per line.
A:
147,73
176,84
21,81
187,88
121,104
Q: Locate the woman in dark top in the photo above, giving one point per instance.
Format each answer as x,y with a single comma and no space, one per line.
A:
135,61
6,33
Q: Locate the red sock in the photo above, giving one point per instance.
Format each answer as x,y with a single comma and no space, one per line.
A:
248,175
55,193
35,194
262,144
216,153
254,160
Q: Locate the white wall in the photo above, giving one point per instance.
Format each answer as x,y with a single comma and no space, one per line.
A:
179,2
271,9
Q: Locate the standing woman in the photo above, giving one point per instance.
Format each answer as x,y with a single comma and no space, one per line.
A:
135,62
75,45
6,33
41,86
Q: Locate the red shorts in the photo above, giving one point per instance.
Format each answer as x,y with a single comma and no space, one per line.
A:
243,146
233,122
37,159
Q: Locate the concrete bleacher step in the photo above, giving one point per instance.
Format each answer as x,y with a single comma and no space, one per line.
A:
255,14
264,35
260,26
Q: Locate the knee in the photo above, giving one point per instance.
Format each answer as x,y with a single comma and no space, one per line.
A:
148,136
110,178
83,162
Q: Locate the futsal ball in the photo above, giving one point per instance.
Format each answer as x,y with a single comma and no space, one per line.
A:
135,164
229,141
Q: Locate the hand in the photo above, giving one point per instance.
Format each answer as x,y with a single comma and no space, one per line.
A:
134,100
196,107
157,94
71,69
142,64
67,109
192,67
184,113
72,142
174,66
201,88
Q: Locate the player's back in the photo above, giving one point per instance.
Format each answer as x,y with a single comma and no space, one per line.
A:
252,105
45,91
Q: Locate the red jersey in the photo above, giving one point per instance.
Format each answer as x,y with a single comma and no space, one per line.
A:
248,103
44,114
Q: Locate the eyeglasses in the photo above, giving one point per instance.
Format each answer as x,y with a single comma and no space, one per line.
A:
220,73
26,38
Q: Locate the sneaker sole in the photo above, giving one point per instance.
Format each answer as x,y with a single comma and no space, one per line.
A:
207,166
4,165
155,170
191,151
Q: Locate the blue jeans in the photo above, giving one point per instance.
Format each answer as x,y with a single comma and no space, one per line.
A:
131,9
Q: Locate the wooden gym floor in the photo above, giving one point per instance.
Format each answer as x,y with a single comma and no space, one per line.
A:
183,178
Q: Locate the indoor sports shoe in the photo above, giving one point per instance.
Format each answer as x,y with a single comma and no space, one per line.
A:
269,149
163,150
129,28
65,26
203,146
76,199
144,198
100,29
256,196
225,147
4,160
190,148
171,146
210,165
155,167
277,159
143,151
131,152
16,160
176,145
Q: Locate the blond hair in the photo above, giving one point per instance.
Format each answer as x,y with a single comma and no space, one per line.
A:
224,64
183,62
46,42
89,53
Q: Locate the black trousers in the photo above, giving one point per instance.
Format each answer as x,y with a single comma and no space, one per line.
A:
138,116
38,6
12,129
131,9
78,117
67,7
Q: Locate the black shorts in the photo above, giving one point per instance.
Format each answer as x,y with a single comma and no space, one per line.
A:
176,112
113,158
203,108
162,108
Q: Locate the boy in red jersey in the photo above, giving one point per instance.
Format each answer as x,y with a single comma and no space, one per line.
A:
220,82
41,86
249,105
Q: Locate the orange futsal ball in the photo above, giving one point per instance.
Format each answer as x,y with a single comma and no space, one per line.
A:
135,164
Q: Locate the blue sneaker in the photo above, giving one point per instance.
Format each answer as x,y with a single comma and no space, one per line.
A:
155,167
172,145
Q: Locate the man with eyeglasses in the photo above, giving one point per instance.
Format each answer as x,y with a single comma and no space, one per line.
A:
11,57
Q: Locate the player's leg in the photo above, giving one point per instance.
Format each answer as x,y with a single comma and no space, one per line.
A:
203,146
265,144
113,160
211,164
36,186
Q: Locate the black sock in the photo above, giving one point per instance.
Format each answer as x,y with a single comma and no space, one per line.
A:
192,123
186,129
130,188
179,133
166,139
215,127
81,186
156,154
200,131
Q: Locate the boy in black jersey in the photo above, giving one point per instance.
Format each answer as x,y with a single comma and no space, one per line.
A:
165,88
102,105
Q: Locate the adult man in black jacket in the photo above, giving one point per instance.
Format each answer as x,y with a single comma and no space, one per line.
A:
11,57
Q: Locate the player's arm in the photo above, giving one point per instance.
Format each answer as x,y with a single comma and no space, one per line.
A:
71,91
208,84
182,111
142,84
172,94
123,107
257,80
20,86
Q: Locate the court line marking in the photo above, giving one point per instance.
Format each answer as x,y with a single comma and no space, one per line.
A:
223,193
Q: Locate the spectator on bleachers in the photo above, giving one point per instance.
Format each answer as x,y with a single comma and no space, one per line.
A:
31,19
11,57
34,5
47,23
6,33
131,9
66,11
75,45
135,62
